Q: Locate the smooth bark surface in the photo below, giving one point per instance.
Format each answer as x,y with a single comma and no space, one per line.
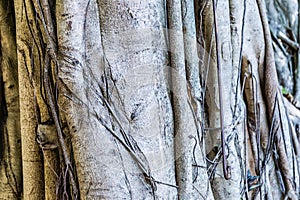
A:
27,49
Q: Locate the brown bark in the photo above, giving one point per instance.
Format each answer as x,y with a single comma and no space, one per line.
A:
28,59
10,153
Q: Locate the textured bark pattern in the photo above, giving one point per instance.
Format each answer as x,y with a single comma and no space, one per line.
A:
10,153
221,188
127,99
32,163
135,55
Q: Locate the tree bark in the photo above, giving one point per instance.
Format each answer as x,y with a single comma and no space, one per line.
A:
10,153
28,55
160,99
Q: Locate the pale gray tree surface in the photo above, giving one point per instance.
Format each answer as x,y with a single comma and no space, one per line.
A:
158,99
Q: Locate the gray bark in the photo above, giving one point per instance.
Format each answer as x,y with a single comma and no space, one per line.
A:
151,99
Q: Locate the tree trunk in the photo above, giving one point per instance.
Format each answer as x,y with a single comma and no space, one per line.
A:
10,168
147,100
28,59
